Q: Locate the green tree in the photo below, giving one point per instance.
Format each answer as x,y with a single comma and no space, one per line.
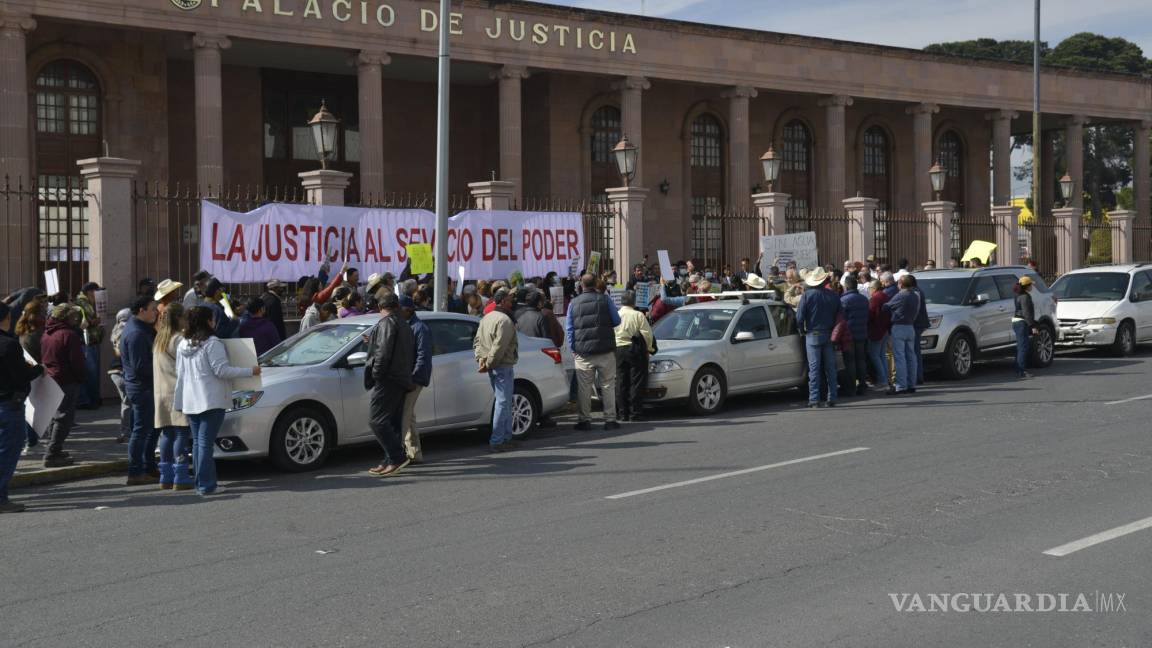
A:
1088,51
989,48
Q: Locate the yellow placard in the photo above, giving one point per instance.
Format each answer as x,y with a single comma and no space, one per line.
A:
981,250
421,256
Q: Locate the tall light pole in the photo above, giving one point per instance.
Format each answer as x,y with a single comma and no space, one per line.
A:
1037,136
440,276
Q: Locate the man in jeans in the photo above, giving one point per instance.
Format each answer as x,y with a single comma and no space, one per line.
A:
904,306
816,317
496,348
16,377
592,322
136,358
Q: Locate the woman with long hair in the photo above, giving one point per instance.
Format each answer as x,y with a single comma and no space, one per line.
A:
203,392
173,425
30,330
352,305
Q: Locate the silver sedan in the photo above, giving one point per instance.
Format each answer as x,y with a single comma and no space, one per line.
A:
313,399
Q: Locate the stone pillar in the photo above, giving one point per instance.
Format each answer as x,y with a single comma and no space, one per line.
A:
1001,155
511,115
834,144
1141,180
111,238
632,117
629,201
206,50
771,210
494,195
15,156
861,227
739,151
1074,151
939,214
325,186
1048,175
1006,220
369,65
1068,238
1122,235
922,149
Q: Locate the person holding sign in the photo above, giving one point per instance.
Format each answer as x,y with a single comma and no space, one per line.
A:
16,378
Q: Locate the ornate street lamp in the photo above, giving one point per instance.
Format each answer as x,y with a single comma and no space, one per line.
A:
325,128
771,166
936,174
626,155
1067,185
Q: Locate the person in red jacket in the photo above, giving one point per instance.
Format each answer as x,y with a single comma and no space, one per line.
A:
62,353
879,323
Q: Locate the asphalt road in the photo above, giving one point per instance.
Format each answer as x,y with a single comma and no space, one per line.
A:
958,489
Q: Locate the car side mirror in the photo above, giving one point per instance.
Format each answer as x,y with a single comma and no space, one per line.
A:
981,299
358,359
744,336
1134,298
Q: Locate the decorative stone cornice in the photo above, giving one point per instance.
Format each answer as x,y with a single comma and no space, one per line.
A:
835,100
923,109
740,92
632,83
202,40
370,57
1076,120
11,21
510,72
998,115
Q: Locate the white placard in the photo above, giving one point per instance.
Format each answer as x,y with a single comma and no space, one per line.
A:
666,271
43,400
461,273
242,353
799,247
616,294
102,304
556,294
51,282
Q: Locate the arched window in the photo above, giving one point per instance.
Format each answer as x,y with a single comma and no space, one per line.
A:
796,171
707,162
605,134
68,128
951,156
876,181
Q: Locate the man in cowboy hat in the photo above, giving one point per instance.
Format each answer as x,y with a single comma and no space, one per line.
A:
166,293
816,316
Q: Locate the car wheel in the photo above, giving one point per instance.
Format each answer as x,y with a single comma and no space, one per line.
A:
1043,347
707,391
302,439
958,357
1125,344
525,411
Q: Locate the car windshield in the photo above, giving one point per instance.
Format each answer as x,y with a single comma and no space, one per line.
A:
694,324
314,346
950,291
1091,286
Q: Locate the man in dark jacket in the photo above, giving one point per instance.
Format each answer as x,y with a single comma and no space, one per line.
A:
855,308
922,323
274,304
136,359
258,327
529,320
816,317
226,327
16,377
421,378
388,375
62,352
592,322
904,308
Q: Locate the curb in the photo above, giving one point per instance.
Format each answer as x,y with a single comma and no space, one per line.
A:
69,473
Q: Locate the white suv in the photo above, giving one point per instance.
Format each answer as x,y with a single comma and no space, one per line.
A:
1105,306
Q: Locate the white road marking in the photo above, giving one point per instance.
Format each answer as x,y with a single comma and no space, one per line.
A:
1104,536
1129,400
735,473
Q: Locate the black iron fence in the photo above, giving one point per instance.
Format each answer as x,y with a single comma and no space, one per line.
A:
901,235
415,200
1142,240
45,227
967,228
1038,243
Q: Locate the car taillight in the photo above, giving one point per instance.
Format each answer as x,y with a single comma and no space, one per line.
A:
554,353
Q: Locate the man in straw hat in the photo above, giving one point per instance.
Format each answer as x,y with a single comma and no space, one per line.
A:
816,316
166,293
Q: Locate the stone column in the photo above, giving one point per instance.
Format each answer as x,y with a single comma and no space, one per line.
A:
206,50
1006,219
939,214
1122,235
495,195
922,149
834,145
861,227
1068,238
325,186
1047,175
771,210
1001,155
739,152
1141,180
511,132
15,156
1074,150
369,65
632,117
629,201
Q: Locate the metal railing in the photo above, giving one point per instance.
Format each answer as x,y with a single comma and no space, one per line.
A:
415,200
901,235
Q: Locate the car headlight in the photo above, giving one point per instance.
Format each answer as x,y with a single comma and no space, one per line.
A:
1100,320
244,399
663,366
934,321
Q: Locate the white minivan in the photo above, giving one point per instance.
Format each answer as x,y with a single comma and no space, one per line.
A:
1105,306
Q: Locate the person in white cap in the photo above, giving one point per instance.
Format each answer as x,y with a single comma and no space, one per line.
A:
273,299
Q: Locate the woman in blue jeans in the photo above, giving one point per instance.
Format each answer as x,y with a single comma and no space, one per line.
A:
173,426
203,392
1023,324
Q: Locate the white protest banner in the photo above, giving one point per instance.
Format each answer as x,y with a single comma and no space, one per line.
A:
51,282
242,353
286,242
44,398
666,272
799,247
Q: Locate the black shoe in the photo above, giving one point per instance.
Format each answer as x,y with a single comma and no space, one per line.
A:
860,391
58,461
123,438
582,426
611,425
891,391
11,507
813,405
911,390
831,404
636,418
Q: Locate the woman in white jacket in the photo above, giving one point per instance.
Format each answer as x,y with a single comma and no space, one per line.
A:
203,392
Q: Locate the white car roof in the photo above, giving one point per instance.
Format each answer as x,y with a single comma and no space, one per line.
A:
1117,267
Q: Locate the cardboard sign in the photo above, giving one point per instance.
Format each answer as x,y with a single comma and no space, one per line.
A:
666,272
51,282
981,250
800,247
421,256
616,294
102,304
645,293
43,400
242,353
593,263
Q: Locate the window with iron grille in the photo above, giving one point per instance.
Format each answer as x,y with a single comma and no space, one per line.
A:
605,133
875,152
707,228
67,100
63,225
797,147
950,154
707,144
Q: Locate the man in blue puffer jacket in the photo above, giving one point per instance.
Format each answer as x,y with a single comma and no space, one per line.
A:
855,308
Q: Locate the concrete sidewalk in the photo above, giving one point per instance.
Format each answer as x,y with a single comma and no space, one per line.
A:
92,443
